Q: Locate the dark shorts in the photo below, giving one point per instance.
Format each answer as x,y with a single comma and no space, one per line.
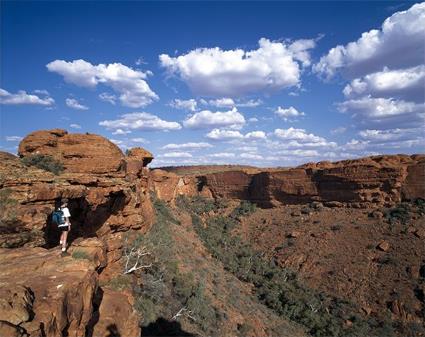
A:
64,228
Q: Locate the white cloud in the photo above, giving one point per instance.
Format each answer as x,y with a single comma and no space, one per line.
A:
176,155
42,92
216,72
252,103
224,102
189,104
391,135
14,138
384,113
226,135
21,97
253,120
74,104
406,83
398,44
255,135
140,121
218,134
289,113
227,102
187,146
110,98
130,84
208,119
121,132
300,153
297,134
139,140
338,130
75,126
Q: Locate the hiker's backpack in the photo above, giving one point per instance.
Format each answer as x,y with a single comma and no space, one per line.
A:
58,218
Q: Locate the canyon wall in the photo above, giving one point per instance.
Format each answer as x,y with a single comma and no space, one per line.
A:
377,180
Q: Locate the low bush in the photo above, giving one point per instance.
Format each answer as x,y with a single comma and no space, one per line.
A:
44,162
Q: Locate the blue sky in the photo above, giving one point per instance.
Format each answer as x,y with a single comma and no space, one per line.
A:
259,83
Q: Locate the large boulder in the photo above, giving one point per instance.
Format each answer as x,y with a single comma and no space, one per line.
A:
79,153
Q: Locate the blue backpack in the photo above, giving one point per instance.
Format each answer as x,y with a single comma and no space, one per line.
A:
58,218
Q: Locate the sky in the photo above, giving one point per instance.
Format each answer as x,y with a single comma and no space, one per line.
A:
256,83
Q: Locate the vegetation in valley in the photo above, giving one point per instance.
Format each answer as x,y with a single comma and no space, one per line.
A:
276,287
44,162
162,291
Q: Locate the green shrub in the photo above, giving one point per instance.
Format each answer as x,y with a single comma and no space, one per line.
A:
200,205
120,282
7,211
80,254
148,308
183,285
244,208
44,162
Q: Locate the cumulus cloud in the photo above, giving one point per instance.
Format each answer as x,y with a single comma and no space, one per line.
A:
187,146
140,121
208,119
384,113
226,135
189,104
399,43
110,98
130,84
218,134
22,97
216,72
74,104
75,126
402,83
288,113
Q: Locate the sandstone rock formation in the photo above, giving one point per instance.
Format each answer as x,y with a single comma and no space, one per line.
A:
79,153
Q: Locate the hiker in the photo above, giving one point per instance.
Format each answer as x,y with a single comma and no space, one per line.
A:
61,218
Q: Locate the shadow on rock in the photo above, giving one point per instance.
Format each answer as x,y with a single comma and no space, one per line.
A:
162,327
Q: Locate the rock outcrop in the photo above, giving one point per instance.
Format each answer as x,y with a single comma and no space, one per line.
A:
103,196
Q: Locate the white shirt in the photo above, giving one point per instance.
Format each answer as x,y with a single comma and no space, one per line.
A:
66,213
